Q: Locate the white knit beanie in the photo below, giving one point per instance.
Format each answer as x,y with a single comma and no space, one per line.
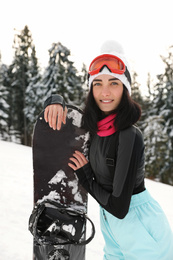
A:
114,48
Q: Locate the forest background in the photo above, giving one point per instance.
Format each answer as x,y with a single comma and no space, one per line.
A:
24,86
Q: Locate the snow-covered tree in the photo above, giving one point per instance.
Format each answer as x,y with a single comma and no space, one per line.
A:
160,110
22,72
34,93
139,98
167,108
136,92
4,107
62,77
157,150
167,79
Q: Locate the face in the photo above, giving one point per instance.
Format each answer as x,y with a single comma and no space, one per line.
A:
107,92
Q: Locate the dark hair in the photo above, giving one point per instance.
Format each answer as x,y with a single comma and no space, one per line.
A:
128,112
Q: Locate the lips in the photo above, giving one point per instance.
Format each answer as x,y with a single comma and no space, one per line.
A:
107,101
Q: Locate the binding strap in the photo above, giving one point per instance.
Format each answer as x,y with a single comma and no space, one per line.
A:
46,238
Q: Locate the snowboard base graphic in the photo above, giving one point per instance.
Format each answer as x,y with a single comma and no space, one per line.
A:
54,179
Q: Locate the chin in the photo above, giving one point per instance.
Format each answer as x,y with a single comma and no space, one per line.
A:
107,112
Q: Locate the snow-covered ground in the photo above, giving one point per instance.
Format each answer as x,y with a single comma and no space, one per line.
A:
16,204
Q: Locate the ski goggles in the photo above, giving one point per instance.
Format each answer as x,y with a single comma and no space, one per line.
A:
115,64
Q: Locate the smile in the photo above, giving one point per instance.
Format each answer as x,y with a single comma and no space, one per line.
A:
107,101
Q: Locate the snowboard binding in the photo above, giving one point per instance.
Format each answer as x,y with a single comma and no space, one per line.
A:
53,224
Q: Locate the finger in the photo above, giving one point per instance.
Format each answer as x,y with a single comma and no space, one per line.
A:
60,118
82,156
54,117
72,166
46,114
50,116
65,115
75,161
79,159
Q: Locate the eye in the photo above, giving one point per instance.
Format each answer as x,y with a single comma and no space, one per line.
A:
96,84
114,83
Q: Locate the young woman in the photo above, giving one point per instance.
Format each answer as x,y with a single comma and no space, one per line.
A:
132,222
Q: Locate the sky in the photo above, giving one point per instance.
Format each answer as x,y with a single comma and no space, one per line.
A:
144,28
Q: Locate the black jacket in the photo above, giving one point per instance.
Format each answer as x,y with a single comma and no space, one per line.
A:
113,188
115,170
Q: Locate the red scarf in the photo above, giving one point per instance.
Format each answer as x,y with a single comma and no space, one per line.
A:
106,126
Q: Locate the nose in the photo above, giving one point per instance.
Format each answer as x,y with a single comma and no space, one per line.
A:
105,91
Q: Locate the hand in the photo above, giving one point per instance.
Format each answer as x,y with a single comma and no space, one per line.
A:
55,116
78,159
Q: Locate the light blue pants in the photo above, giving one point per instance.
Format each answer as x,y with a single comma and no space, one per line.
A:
144,234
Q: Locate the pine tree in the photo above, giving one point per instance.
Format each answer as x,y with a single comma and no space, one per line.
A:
166,109
21,71
136,93
62,77
7,77
137,97
34,94
4,107
84,82
149,97
161,110
157,153
147,104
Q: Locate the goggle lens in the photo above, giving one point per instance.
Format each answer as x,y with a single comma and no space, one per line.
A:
115,64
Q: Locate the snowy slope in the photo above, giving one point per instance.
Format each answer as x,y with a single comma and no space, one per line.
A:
16,205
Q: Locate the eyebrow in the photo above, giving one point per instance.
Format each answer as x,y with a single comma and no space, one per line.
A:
109,79
97,80
113,79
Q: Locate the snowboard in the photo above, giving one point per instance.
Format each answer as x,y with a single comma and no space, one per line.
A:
54,179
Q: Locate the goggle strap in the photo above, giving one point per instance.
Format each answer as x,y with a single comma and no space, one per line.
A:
127,74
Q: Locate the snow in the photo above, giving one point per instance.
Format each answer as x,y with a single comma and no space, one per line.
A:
52,195
76,118
16,184
70,229
60,175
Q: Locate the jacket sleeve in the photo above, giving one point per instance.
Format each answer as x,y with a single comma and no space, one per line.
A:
54,99
117,206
